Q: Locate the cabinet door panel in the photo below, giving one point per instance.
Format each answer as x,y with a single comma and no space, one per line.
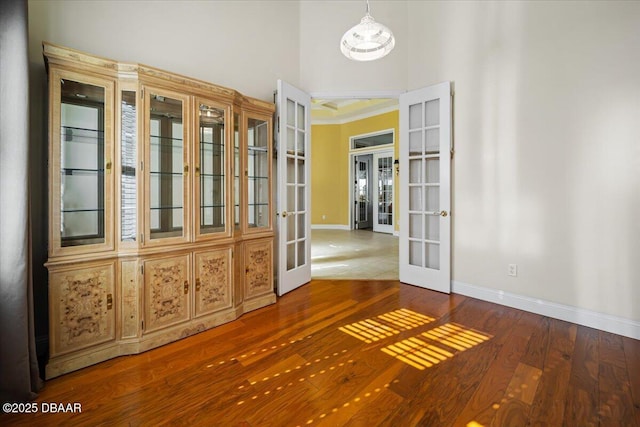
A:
258,258
213,281
81,151
167,150
81,304
257,164
166,291
213,168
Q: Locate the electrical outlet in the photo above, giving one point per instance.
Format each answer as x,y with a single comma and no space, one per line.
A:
513,270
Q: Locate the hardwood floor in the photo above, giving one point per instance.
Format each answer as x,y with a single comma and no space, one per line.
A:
365,353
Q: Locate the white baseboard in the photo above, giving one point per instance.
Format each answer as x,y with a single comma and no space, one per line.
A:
330,227
605,322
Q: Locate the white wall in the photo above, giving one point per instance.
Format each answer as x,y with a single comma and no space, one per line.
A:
547,134
246,46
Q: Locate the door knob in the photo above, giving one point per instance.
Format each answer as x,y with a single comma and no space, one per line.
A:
443,213
284,214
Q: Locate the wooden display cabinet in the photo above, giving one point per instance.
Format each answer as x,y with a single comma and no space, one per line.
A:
160,207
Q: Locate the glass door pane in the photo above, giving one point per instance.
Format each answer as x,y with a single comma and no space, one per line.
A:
383,180
257,173
236,170
166,167
211,170
296,161
424,184
82,160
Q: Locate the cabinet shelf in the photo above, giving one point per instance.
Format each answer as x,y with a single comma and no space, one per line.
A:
82,210
68,131
80,171
166,173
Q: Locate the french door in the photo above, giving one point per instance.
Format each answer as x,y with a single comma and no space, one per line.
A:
293,216
425,200
362,192
383,199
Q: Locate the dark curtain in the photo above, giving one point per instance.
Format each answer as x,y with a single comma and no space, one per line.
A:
19,379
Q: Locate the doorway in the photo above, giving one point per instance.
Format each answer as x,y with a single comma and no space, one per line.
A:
355,174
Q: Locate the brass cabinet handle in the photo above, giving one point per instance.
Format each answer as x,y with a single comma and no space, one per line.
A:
444,213
107,166
247,270
109,301
197,170
198,285
186,170
186,287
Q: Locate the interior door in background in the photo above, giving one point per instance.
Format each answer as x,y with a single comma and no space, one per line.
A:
362,192
383,198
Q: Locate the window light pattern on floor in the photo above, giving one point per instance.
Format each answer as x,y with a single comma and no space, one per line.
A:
386,325
435,345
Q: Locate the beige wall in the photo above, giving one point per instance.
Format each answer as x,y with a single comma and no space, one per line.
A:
547,134
246,46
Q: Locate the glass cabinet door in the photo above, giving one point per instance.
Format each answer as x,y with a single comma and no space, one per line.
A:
167,169
81,163
212,171
258,173
236,171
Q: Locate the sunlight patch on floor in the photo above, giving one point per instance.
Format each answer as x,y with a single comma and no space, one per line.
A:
386,325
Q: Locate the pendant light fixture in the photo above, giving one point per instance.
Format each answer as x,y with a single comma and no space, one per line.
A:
368,40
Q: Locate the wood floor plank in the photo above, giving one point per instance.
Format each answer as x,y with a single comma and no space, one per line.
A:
491,391
632,359
616,403
583,393
290,364
549,403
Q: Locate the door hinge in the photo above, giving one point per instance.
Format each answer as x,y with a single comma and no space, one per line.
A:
278,124
142,324
142,238
142,94
142,269
141,166
452,152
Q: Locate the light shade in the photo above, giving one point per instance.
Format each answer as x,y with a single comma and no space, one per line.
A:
367,41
